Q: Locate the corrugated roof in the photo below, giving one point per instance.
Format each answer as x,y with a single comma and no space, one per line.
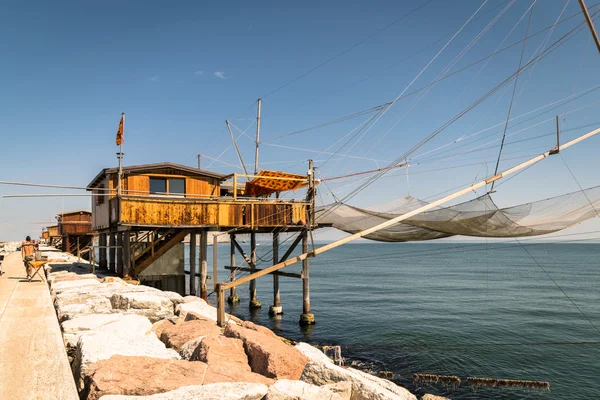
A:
268,182
150,167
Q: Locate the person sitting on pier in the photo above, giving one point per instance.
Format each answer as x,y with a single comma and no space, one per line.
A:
27,251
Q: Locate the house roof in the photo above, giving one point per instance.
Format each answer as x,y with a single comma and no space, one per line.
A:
149,168
74,212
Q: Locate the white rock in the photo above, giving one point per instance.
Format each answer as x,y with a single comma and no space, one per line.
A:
188,348
101,346
200,307
88,322
91,306
128,325
213,391
312,353
285,389
60,287
52,277
191,299
364,386
148,304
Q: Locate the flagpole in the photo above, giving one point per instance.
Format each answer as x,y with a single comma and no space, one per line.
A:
120,156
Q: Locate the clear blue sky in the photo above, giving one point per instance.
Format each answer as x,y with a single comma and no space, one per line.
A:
178,70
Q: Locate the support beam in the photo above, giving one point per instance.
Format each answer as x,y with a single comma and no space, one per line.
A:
239,248
276,308
278,273
590,24
203,264
103,264
112,251
127,254
291,249
119,253
306,318
192,289
254,303
220,306
215,278
233,298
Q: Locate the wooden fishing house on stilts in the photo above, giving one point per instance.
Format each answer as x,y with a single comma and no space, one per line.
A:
143,225
75,229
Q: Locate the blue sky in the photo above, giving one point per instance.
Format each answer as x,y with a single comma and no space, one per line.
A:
178,71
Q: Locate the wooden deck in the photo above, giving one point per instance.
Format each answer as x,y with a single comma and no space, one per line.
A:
34,362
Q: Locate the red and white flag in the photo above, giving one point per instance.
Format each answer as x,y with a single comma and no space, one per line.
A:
120,131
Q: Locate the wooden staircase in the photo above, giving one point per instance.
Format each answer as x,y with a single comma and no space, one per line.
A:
152,245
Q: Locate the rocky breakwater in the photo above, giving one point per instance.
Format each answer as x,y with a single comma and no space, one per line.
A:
136,342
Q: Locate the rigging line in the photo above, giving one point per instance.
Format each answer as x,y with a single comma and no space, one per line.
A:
346,50
557,285
566,100
322,152
513,93
513,126
327,123
580,188
223,152
566,37
445,71
544,43
358,131
427,66
244,131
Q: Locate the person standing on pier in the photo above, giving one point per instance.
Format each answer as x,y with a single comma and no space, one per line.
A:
27,251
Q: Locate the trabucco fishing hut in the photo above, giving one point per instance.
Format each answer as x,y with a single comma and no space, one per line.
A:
143,221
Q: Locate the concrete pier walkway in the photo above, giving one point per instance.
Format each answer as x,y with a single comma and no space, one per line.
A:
33,360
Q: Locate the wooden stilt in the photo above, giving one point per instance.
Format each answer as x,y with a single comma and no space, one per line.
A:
112,242
102,252
192,289
120,253
306,318
203,264
233,298
276,308
220,306
215,277
127,254
254,303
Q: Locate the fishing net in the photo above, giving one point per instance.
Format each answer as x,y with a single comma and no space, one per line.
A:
478,217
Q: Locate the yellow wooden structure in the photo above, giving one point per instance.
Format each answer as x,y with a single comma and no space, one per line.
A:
160,204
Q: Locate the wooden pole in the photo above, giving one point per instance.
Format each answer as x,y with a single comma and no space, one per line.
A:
257,138
236,148
408,215
276,308
102,251
78,251
220,306
112,242
306,318
215,279
119,253
590,23
233,298
199,155
254,303
203,264
127,254
192,289
235,186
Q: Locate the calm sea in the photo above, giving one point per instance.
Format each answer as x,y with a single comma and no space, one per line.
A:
471,310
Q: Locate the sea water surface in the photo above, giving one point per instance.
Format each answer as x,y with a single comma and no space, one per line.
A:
506,311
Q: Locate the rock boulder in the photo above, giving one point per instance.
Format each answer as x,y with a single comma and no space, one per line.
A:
268,355
214,391
140,376
297,390
178,335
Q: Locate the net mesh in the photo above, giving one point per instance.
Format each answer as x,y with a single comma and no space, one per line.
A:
478,217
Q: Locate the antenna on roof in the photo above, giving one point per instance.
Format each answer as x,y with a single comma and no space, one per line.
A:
257,137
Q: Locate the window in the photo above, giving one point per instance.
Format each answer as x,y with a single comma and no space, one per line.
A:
158,186
167,186
102,192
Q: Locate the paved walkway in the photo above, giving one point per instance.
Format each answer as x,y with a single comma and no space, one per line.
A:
33,360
